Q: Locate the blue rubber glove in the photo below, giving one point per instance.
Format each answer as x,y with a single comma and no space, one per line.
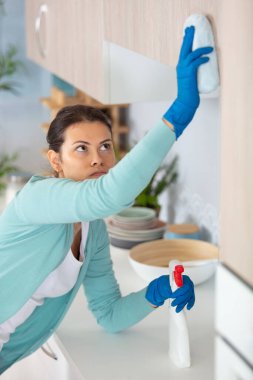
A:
159,290
184,107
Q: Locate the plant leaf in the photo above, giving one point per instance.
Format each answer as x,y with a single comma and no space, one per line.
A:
6,163
9,65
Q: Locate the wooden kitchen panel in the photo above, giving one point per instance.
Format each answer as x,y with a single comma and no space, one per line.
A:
153,28
71,37
236,65
40,24
87,43
87,60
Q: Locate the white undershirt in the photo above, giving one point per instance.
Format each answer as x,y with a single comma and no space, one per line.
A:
57,283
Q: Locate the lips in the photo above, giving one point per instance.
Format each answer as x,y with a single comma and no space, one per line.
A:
97,174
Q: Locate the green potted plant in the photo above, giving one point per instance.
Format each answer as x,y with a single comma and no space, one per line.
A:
161,180
6,166
2,10
9,65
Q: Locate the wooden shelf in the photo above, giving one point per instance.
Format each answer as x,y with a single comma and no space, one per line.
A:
45,127
123,130
44,152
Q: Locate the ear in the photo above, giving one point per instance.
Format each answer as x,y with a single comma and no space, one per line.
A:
54,159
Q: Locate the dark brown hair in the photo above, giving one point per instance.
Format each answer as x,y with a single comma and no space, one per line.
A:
71,115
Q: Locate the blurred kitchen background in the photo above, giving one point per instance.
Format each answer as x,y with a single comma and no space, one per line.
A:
195,195
123,53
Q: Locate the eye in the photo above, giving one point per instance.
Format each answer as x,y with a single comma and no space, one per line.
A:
105,146
81,148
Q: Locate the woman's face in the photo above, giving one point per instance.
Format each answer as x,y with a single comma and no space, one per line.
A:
87,152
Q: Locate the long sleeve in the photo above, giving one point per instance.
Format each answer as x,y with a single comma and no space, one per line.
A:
47,200
112,311
36,230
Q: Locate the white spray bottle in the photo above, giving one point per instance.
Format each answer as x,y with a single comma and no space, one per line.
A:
179,347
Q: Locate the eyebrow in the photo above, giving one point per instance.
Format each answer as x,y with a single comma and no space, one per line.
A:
87,143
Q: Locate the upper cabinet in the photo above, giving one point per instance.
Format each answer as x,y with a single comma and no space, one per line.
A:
67,39
117,51
153,28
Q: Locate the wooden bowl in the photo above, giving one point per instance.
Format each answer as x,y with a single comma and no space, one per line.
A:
199,258
182,231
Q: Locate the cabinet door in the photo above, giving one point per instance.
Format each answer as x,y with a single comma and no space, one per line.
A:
101,47
40,31
153,28
230,365
236,62
67,39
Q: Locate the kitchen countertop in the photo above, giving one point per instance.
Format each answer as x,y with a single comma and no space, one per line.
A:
140,352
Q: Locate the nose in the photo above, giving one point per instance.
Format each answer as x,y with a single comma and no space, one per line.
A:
96,159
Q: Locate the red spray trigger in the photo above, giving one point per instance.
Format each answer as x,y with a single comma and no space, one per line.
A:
179,269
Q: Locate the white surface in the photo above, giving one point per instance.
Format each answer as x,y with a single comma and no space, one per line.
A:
208,74
134,77
234,312
229,365
40,366
142,351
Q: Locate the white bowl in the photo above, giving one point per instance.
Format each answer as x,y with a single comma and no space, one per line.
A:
150,260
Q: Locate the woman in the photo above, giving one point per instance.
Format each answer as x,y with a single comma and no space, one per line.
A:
53,238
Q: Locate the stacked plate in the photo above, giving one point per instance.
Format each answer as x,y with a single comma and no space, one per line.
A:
133,226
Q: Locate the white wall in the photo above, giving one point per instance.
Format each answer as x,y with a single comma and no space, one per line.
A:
196,196
21,116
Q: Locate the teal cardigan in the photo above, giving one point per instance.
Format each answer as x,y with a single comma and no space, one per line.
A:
36,232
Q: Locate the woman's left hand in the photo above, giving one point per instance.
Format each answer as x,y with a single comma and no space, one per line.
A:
159,290
184,295
184,107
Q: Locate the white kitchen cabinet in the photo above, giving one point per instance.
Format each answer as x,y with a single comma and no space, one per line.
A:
234,313
234,327
229,365
41,366
117,51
